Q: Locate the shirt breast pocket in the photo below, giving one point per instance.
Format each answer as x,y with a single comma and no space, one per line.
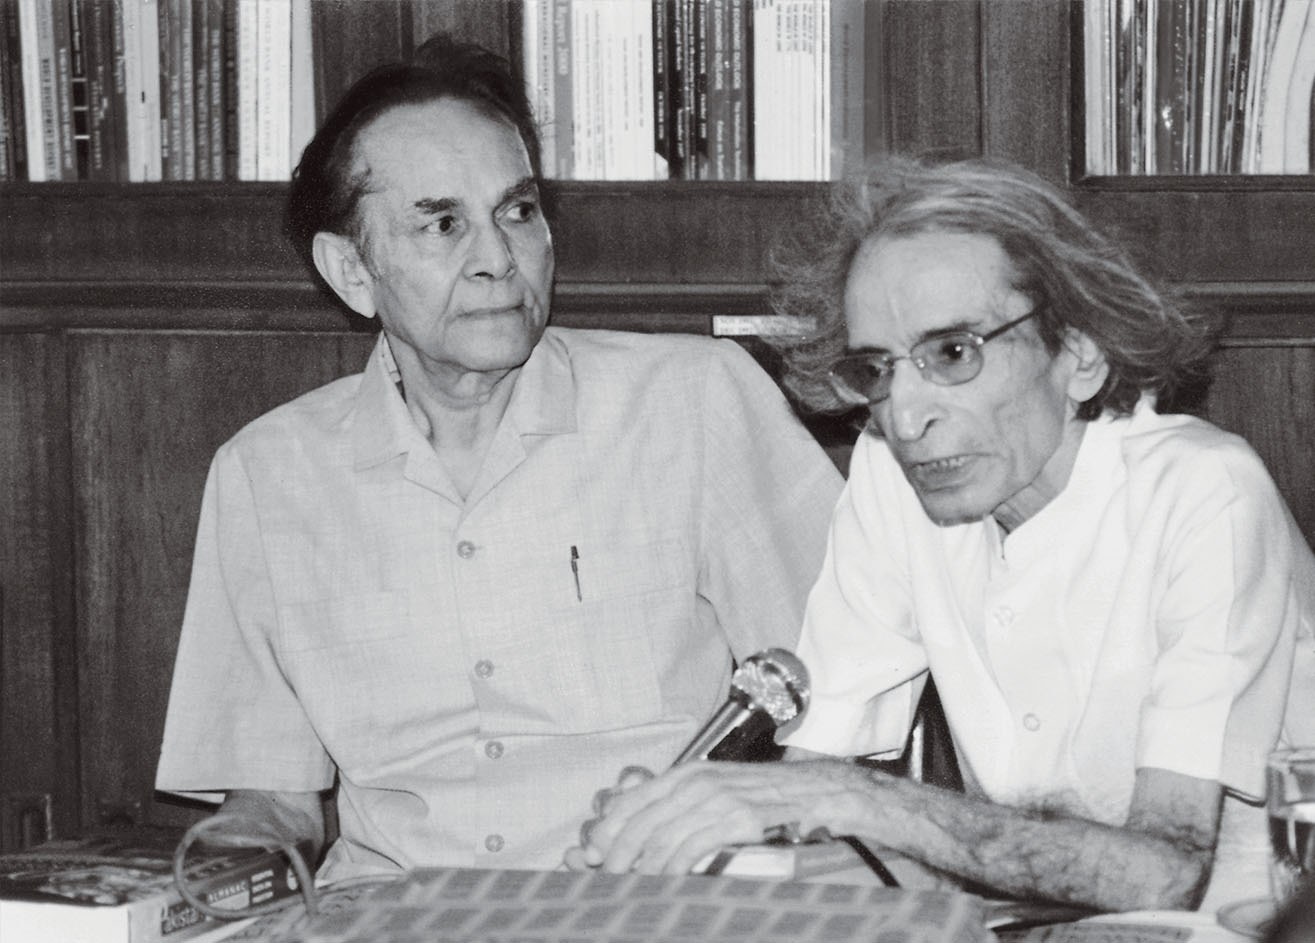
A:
624,618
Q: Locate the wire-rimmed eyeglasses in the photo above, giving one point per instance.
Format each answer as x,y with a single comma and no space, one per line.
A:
947,359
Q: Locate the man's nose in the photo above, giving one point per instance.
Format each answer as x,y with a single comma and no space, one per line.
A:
490,254
913,404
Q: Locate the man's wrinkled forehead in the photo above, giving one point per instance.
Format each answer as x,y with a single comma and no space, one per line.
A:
388,129
962,276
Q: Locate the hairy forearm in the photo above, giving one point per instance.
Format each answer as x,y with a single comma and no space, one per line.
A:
1029,854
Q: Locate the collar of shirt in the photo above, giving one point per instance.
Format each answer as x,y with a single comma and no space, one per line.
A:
1096,465
543,403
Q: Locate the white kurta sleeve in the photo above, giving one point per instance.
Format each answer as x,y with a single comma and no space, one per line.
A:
1226,624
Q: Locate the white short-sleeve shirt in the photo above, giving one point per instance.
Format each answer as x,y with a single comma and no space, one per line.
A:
1147,616
472,671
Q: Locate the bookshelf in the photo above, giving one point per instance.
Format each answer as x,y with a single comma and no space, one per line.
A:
1189,87
141,325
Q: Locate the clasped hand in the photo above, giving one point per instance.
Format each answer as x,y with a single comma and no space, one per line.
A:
668,823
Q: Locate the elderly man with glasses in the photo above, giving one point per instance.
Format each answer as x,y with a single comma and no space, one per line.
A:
1110,597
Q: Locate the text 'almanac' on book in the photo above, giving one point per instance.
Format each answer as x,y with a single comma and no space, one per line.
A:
118,887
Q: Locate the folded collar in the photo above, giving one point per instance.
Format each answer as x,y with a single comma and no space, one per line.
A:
543,402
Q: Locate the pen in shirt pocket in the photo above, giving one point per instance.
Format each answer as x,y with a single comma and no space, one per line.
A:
575,571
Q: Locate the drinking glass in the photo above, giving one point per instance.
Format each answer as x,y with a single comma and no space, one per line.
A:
1290,801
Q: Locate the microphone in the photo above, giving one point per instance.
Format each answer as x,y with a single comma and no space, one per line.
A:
768,691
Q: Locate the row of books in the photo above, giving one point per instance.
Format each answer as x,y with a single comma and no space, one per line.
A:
696,89
1199,86
144,90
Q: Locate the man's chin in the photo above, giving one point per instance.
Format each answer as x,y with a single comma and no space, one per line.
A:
505,350
950,511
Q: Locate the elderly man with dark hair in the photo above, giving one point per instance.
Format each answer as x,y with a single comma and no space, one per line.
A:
470,583
1109,598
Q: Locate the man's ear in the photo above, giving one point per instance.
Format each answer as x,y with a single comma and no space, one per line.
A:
1090,367
339,263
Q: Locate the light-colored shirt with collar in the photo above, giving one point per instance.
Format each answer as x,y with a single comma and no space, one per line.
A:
472,671
1147,616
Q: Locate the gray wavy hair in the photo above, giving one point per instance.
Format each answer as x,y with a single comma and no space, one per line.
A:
1077,277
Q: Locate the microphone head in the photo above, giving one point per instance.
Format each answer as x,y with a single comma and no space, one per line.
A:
775,682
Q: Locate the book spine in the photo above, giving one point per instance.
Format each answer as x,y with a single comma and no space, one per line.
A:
821,81
677,145
541,74
98,43
6,123
767,88
266,121
13,68
609,31
847,65
171,116
699,18
1261,31
718,84
128,58
1093,86
152,115
1300,103
637,58
583,76
247,107
563,85
302,83
186,85
39,75
232,92
1171,86
738,119
62,29
273,90
1140,141
201,88
261,879
683,87
661,91
1234,81
79,93
1208,88
1191,104
538,85
217,42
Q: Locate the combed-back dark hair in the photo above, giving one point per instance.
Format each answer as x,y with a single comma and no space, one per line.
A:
325,194
1077,277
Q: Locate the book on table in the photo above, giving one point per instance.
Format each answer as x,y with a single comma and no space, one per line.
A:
118,887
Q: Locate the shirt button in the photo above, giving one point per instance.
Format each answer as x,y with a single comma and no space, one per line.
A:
494,843
483,668
1032,722
493,749
465,550
1004,616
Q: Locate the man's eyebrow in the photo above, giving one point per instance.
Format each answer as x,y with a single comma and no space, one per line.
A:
526,186
964,325
432,206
